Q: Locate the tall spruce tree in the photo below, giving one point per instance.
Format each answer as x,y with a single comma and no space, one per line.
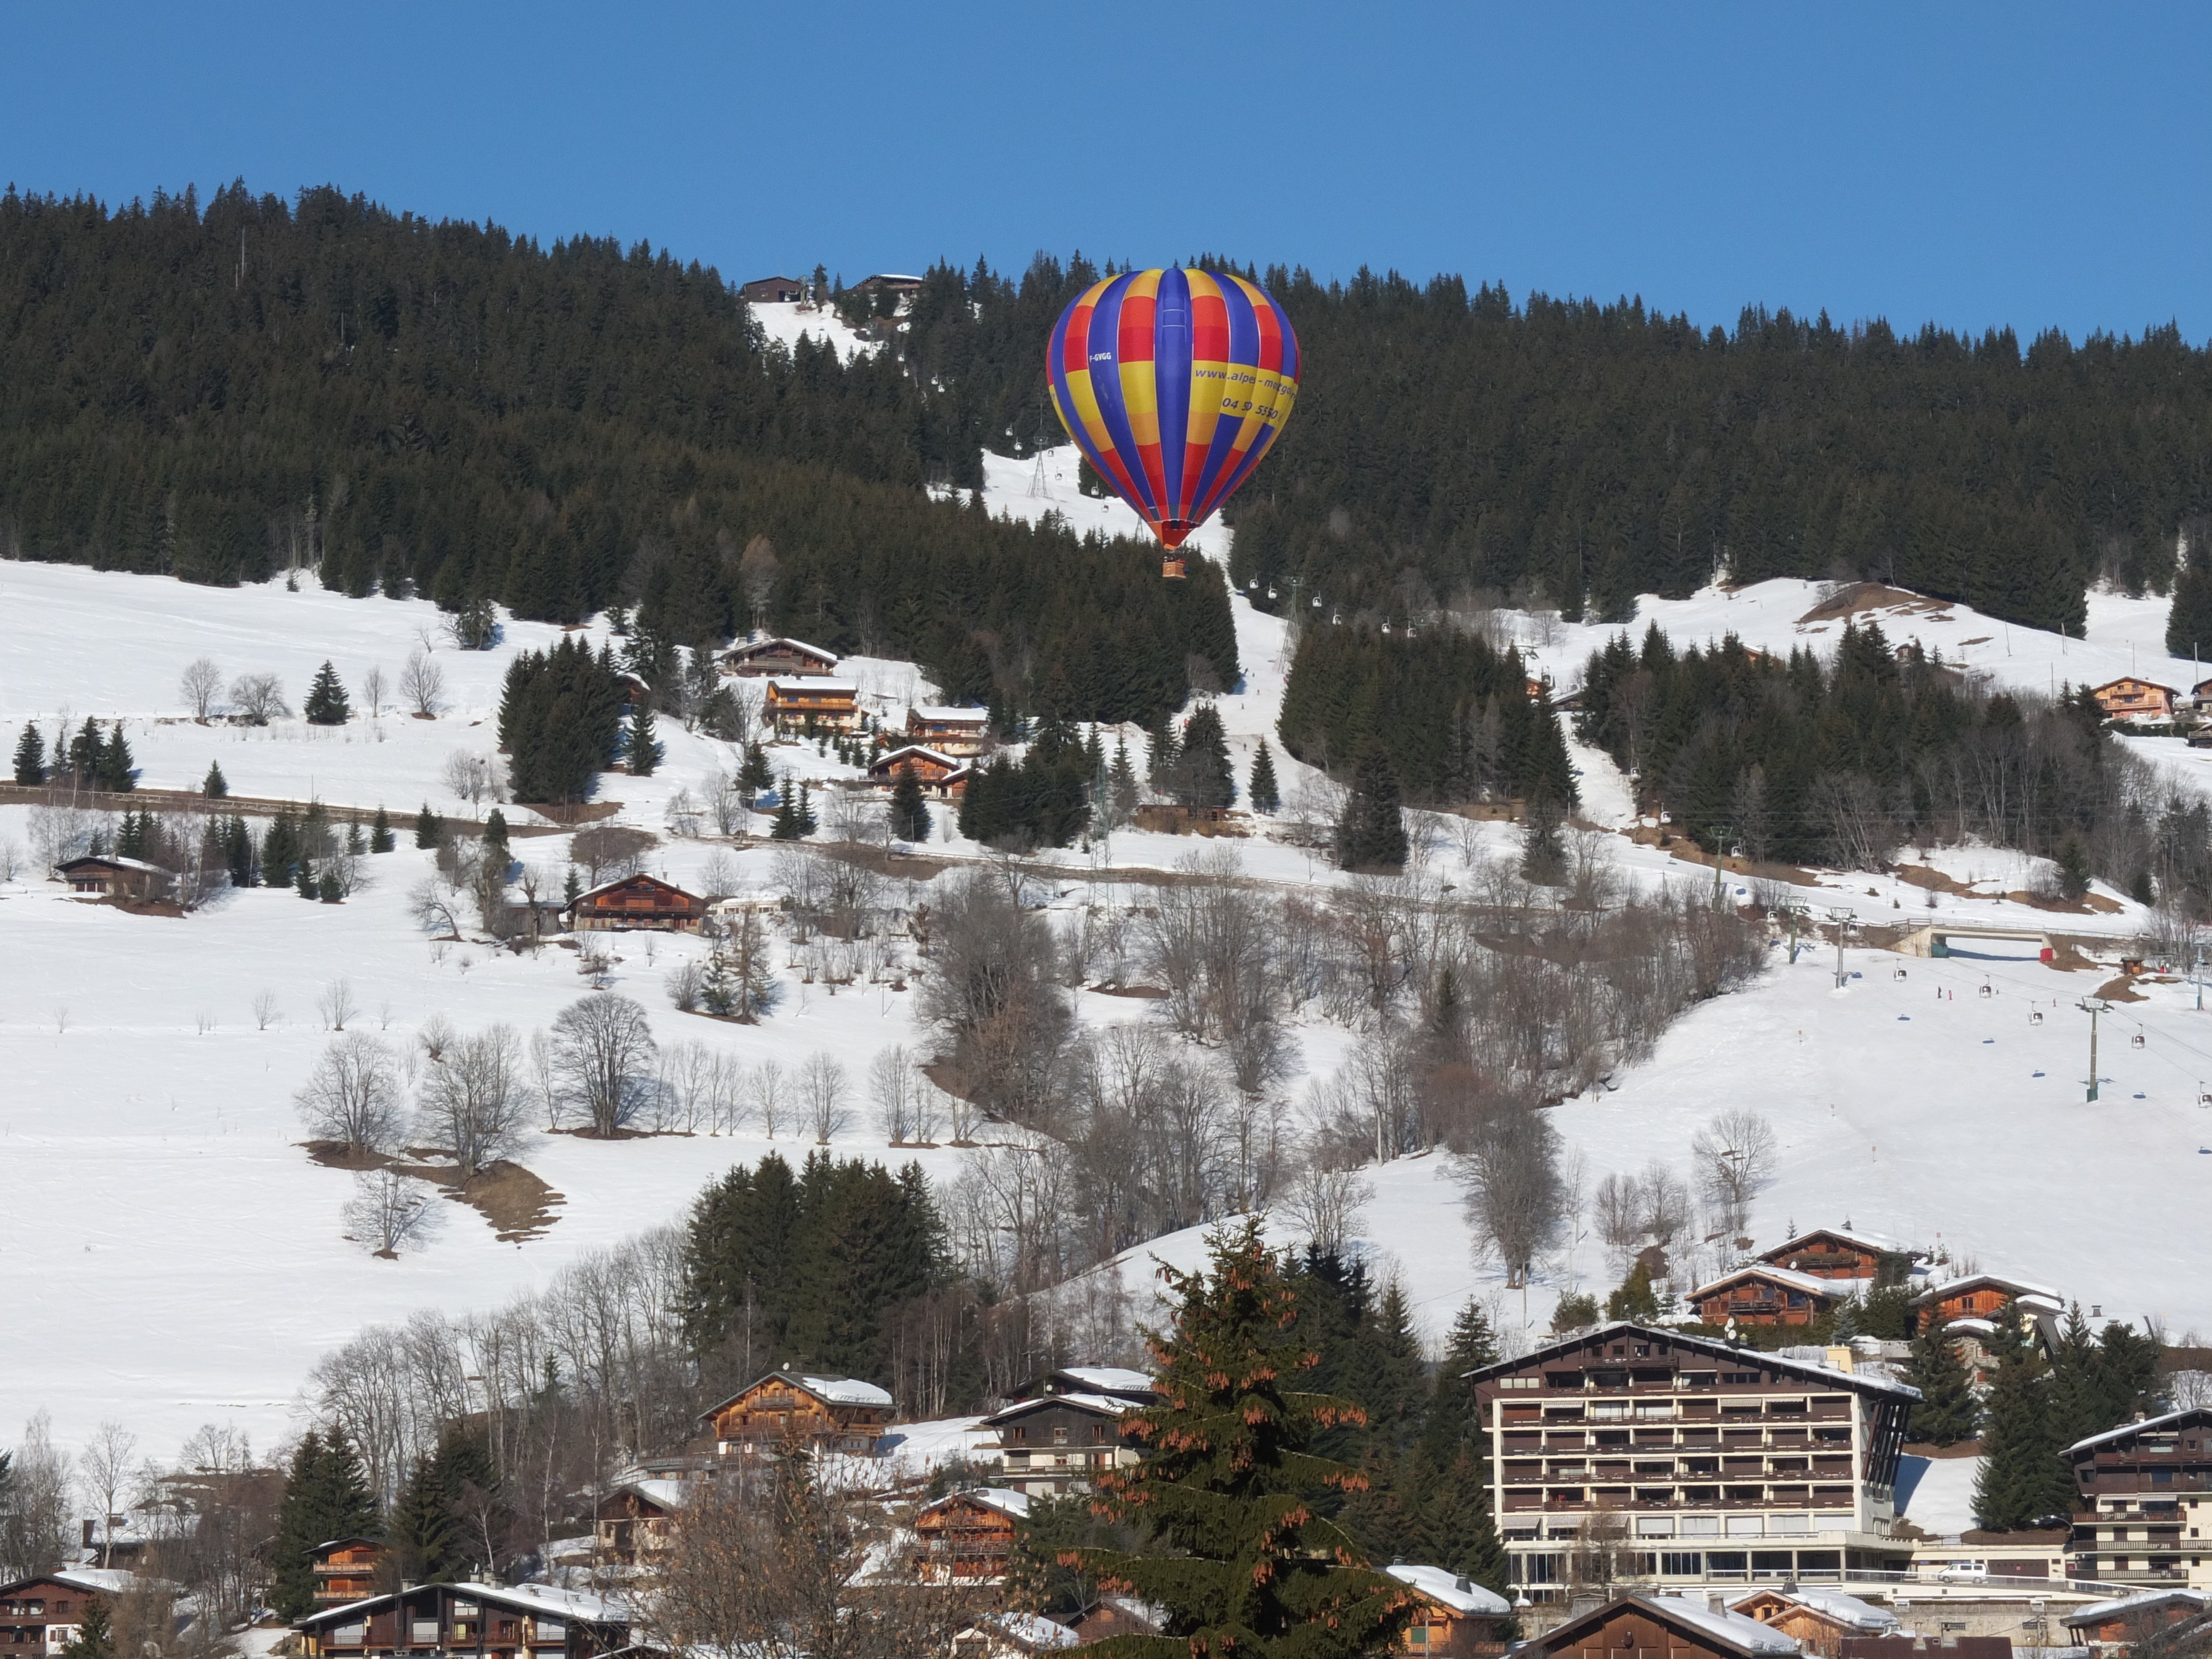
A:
909,812
2189,620
641,747
1262,790
30,757
215,786
380,833
1238,1557
1947,1412
96,1633
428,832
2022,1477
1202,774
327,703
117,771
1371,833
326,1498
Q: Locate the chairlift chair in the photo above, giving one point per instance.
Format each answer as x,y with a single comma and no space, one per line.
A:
2136,1040
1988,990
1897,973
2035,1016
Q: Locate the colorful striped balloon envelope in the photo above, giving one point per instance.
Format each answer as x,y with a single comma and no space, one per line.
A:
1174,383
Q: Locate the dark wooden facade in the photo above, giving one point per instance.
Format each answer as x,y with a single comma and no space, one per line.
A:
2126,1620
636,1522
1815,1628
942,776
40,1616
826,1413
950,731
794,701
2145,1509
1059,1443
530,1621
2130,698
346,1570
967,1537
1661,1627
1830,1253
640,901
760,659
1979,1295
115,877
1454,1618
1760,1295
773,290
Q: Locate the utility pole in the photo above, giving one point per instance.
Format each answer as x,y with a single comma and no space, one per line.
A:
2094,1007
1843,919
1720,857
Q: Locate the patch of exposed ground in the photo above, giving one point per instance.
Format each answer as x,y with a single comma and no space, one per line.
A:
518,1204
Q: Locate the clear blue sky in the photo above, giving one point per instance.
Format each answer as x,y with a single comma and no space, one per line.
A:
1971,164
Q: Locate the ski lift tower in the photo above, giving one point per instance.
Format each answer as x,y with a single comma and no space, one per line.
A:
1845,919
2094,1007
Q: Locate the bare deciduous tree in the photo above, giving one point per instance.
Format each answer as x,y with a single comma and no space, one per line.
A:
1666,1204
264,1009
609,852
388,1209
822,1087
1324,1200
104,1464
1515,1200
472,1101
1735,1153
769,1097
373,689
472,777
335,1003
260,697
352,1097
423,683
894,1089
603,1049
34,1521
430,906
1617,1208
201,685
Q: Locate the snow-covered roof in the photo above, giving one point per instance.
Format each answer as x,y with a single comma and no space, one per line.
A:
1105,1404
553,1602
1878,1242
843,1390
890,756
1996,1281
748,646
1844,1609
666,1494
1109,1379
1459,1595
1015,1503
108,1581
2096,1612
1717,1348
1734,1628
624,881
1789,1276
1031,1630
813,684
1972,1326
951,714
111,859
2170,1420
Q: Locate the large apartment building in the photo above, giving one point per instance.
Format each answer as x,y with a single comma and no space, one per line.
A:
1699,1461
2146,1505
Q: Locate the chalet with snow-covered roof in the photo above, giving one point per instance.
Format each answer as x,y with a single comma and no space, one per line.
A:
2125,1620
487,1621
635,1521
346,1568
967,1537
2145,1509
40,1616
942,776
1819,1620
2132,699
1117,1382
1723,1463
798,703
642,903
1981,1295
780,656
1058,1442
825,1414
948,728
1011,1635
1761,1294
773,290
1662,1627
1454,1617
1836,1253
104,876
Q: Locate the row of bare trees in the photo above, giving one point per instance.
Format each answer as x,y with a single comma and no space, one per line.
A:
258,698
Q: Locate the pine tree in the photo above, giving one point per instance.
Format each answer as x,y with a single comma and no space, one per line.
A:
1262,790
215,786
327,702
238,853
2188,621
495,837
96,1633
30,757
1162,754
305,884
325,1497
1203,777
642,748
118,771
1635,1298
379,833
84,753
1244,1562
909,812
571,886
1371,833
755,773
1947,1412
1121,785
1543,854
2022,1477
428,832
807,825
326,887
785,827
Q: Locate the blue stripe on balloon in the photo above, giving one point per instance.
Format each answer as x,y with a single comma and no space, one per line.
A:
1106,382
1171,381
1243,352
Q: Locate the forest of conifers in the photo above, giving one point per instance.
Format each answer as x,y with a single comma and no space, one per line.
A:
224,389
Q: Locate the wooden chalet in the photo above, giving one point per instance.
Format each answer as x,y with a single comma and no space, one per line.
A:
642,903
524,1622
1819,1620
2127,1619
895,281
1761,1294
40,1616
798,702
1115,1381
346,1570
949,729
1011,1635
1058,1442
1454,1617
788,658
1116,1615
2145,1504
1662,1627
1833,1253
967,1537
1982,1296
103,876
2130,698
942,776
825,1414
635,689
1724,1464
636,1520
773,290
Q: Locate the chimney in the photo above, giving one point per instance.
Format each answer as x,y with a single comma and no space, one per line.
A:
1840,1358
1716,1601
87,1532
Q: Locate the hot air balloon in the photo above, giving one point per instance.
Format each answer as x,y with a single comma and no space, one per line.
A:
1173,383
